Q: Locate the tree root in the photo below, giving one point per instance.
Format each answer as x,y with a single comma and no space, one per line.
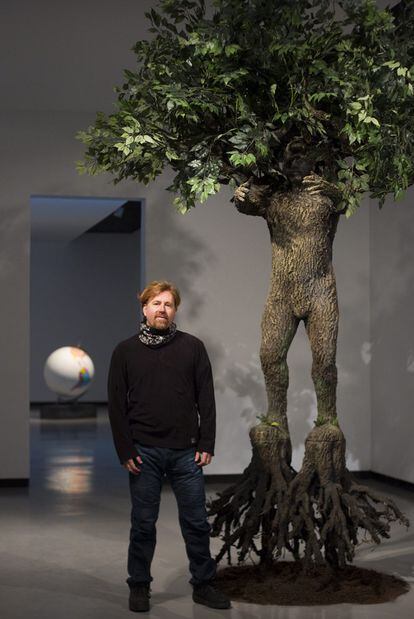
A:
327,506
315,514
257,505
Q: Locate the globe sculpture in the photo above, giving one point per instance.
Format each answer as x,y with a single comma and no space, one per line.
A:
68,372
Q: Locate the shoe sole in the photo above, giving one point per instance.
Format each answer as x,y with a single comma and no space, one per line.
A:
202,601
136,609
139,609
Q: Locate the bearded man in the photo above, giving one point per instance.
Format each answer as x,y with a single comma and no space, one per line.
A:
162,413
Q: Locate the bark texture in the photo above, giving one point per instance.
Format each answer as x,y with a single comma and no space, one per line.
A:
317,512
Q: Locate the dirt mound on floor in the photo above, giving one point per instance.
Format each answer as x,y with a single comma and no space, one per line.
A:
286,584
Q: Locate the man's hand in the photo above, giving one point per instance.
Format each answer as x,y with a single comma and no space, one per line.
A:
131,466
202,458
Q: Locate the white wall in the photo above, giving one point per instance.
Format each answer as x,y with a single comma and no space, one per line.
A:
14,329
38,154
83,293
392,310
219,258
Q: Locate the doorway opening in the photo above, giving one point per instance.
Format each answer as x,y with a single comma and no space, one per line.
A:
87,264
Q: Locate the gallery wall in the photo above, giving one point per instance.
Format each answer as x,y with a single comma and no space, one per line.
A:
219,258
223,287
39,159
392,337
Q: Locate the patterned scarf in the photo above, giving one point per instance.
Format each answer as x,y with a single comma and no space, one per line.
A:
156,337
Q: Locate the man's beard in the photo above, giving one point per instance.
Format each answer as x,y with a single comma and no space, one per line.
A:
161,322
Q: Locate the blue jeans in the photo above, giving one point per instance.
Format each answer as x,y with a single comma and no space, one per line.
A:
187,482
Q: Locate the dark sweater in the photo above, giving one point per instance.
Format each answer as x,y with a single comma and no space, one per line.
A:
161,397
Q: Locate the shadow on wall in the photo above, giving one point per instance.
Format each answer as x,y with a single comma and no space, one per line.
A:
246,382
189,259
392,331
353,358
185,257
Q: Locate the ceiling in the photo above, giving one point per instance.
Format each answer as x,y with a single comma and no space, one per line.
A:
57,218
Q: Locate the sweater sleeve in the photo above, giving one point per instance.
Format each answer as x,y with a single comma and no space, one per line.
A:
205,401
117,407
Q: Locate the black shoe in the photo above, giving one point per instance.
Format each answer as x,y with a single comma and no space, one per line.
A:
208,595
139,597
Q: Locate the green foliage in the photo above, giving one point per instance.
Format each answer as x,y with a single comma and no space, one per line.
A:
268,422
321,421
220,99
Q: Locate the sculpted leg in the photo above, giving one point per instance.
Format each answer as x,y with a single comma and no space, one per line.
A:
279,326
322,330
257,506
327,505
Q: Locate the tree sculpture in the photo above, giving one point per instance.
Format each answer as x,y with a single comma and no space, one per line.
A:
303,106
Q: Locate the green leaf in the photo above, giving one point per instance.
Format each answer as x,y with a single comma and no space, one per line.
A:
148,139
171,155
392,64
221,96
230,50
180,205
371,120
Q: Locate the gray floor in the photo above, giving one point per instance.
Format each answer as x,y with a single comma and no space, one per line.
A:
64,540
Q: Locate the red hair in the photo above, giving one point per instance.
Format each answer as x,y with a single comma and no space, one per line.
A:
156,287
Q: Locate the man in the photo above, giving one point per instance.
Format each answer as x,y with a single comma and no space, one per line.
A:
162,413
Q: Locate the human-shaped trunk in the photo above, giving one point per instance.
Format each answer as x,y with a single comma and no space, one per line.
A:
302,287
322,506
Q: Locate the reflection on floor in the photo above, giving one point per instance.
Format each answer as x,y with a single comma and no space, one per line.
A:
64,539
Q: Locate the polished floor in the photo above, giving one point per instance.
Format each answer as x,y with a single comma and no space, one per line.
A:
63,540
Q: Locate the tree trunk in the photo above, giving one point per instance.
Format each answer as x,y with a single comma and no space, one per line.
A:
319,510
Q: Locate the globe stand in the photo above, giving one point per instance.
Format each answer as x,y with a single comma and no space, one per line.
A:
68,410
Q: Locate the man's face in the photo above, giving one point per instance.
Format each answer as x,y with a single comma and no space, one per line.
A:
160,310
